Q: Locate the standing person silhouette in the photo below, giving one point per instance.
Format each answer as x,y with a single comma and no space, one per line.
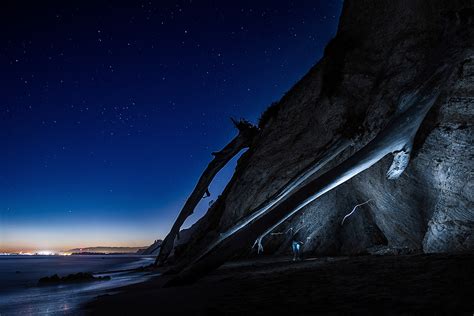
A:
296,245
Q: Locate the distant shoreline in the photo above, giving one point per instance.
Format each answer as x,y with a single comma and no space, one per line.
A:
75,254
105,254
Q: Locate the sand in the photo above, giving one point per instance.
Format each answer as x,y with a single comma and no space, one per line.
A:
428,284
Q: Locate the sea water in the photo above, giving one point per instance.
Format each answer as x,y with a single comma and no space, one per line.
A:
21,295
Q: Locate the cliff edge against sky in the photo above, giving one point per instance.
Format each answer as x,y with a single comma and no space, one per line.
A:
382,52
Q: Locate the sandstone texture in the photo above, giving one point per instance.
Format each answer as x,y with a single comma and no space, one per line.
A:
382,50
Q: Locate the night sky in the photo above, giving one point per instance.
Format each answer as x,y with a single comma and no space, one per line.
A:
109,112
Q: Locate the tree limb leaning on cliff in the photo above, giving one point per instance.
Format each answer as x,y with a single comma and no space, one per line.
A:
397,136
247,132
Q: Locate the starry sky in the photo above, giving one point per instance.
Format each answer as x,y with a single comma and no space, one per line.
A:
109,110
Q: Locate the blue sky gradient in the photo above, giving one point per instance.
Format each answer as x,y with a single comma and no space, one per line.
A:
109,112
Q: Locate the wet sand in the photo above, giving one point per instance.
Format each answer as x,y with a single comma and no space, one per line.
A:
20,293
410,284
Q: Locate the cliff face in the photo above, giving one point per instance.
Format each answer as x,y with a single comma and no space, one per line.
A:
382,51
153,249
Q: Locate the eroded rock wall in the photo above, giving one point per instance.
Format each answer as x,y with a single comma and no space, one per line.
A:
381,52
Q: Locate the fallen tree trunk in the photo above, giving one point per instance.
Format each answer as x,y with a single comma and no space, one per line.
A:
337,147
396,137
247,133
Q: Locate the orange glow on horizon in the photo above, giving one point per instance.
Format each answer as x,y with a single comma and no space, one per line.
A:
25,248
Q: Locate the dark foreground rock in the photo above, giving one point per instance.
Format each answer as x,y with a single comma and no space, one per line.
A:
407,284
71,278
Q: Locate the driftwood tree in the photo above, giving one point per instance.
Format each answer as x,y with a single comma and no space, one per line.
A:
247,133
396,138
327,156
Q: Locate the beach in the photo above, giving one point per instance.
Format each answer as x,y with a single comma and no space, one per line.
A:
20,293
424,283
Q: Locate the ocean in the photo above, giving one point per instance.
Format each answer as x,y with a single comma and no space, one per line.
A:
21,295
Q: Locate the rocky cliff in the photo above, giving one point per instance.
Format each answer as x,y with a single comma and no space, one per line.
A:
153,249
382,51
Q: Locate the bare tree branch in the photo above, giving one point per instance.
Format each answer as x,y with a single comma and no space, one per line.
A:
247,132
336,148
353,210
